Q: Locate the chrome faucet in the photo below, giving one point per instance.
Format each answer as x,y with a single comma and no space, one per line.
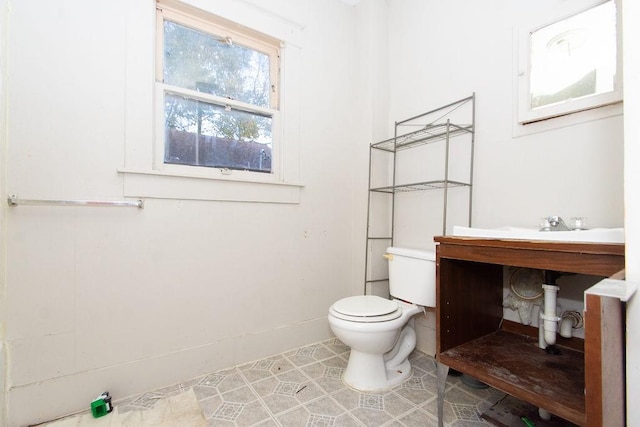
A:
553,223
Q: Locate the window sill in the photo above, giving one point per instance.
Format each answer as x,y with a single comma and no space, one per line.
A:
575,118
171,185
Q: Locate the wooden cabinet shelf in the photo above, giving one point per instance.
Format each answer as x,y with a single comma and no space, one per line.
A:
516,365
473,337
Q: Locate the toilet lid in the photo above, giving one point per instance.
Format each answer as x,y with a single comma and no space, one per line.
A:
371,307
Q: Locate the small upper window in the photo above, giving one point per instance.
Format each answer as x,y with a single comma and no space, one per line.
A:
572,65
219,90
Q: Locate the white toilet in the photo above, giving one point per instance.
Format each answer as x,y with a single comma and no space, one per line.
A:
380,331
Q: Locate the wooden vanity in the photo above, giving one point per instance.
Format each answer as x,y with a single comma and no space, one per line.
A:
473,338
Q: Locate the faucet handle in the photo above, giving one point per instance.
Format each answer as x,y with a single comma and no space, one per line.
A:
578,223
545,224
553,223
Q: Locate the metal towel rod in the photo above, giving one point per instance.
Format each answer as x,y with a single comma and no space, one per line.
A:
14,201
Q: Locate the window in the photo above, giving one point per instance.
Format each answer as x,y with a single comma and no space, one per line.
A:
259,129
571,65
218,89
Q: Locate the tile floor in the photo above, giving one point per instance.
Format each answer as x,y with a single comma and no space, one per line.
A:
302,387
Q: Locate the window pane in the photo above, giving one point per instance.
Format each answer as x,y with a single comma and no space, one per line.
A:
206,63
575,57
203,134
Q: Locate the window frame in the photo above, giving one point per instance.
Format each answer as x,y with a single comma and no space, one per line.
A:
139,174
527,116
219,27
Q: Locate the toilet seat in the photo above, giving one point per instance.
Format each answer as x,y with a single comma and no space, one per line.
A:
366,308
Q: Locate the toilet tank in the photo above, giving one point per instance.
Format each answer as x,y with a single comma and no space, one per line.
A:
412,275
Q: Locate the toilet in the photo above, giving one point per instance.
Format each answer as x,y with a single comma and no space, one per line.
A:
381,331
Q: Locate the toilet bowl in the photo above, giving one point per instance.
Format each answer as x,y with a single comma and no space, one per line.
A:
379,331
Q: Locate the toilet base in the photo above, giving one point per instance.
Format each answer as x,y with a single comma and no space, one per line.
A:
373,371
369,372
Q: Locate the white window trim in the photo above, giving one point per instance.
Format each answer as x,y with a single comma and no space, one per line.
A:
556,116
146,176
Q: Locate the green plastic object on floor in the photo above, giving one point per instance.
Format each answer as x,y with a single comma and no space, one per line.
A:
528,422
101,405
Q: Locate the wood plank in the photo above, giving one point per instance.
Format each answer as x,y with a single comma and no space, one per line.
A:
593,361
470,305
604,361
544,245
586,258
514,364
620,275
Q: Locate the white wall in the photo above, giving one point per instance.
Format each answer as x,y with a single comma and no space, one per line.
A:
128,300
443,51
3,227
632,200
440,52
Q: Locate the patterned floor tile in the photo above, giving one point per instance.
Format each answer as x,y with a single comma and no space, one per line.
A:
310,416
337,346
309,354
466,412
147,400
210,406
419,388
425,363
203,392
236,407
252,413
303,387
265,368
371,417
418,418
395,405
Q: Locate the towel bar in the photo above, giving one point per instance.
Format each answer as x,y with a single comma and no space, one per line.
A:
13,200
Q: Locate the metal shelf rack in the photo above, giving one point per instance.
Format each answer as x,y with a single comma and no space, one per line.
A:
430,133
441,125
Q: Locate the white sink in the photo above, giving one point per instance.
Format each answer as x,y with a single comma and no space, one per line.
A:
594,235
